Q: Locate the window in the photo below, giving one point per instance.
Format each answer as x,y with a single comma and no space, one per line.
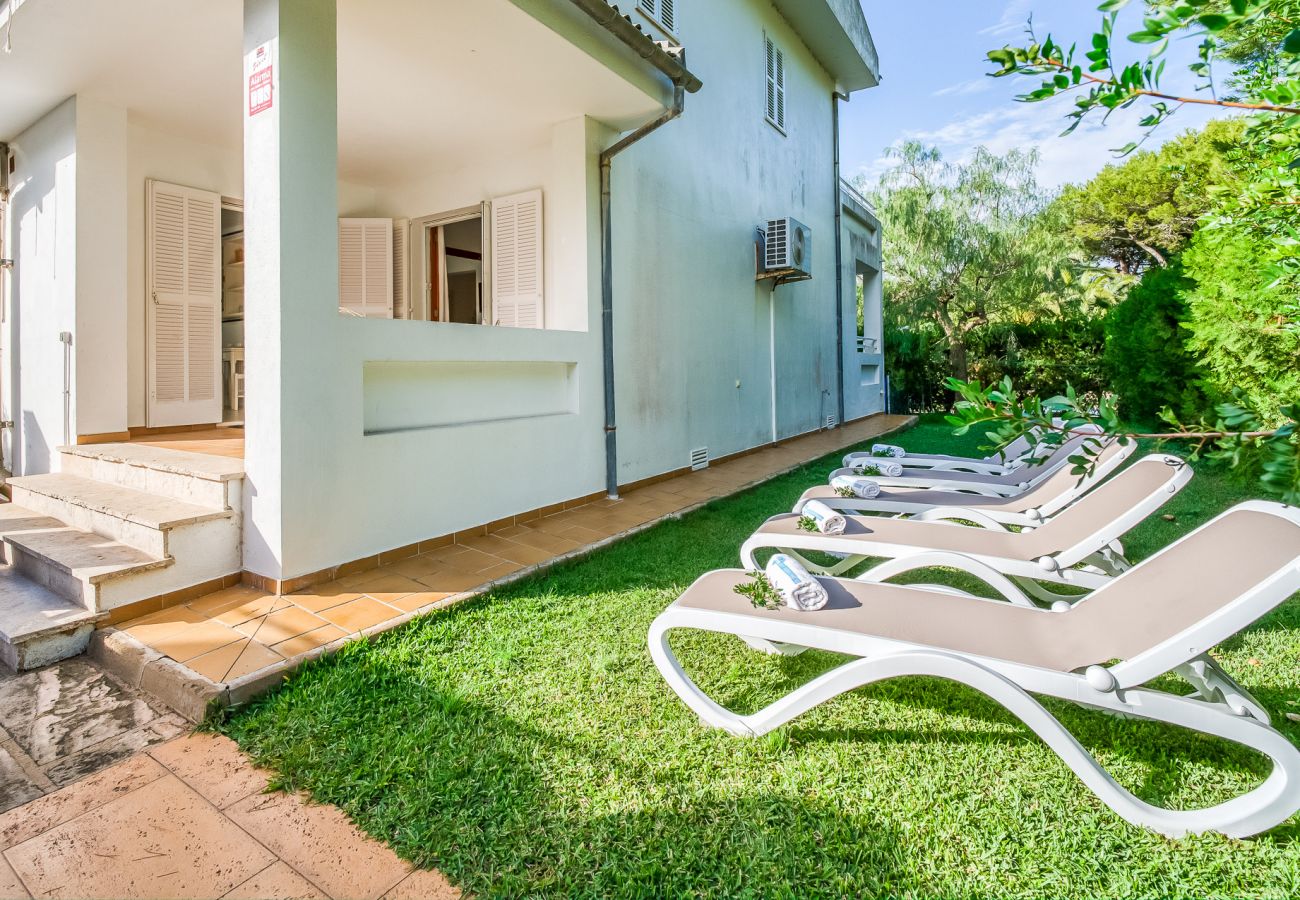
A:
662,12
775,98
480,265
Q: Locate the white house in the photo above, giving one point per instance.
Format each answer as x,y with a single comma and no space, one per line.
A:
445,261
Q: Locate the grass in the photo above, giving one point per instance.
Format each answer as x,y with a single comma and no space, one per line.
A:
525,745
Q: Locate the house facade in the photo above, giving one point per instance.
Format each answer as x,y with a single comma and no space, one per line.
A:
441,262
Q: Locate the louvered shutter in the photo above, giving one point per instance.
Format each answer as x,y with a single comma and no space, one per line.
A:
775,72
662,11
401,269
366,267
183,282
517,276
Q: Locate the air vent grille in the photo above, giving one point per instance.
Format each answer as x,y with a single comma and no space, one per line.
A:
830,422
700,458
777,244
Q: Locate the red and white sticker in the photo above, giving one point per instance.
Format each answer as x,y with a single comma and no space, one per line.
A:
260,96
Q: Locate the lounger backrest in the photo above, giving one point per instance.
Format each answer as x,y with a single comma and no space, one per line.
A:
1053,492
1108,510
1195,593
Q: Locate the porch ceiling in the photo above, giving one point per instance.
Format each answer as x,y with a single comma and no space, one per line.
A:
421,82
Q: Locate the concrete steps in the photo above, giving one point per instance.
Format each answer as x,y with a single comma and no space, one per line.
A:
120,524
37,626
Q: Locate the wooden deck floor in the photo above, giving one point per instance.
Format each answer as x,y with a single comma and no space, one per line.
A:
213,441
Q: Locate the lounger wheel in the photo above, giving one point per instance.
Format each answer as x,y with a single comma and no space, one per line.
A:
1267,805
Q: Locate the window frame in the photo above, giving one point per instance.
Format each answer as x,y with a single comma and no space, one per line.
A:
774,113
418,264
656,19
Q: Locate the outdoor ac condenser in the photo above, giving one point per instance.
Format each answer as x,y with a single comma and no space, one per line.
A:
788,246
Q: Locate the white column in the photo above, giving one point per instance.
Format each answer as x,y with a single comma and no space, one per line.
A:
291,277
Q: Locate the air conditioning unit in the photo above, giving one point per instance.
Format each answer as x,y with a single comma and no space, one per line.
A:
787,246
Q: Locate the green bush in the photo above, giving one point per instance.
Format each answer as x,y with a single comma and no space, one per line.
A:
1147,360
1241,315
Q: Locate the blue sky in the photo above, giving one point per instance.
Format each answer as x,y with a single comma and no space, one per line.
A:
934,87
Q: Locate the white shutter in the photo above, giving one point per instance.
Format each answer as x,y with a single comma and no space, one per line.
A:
517,277
662,11
366,267
183,285
775,77
401,269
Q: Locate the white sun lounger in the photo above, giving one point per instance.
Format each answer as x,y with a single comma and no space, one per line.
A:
1162,616
1029,508
1013,455
1016,481
1086,532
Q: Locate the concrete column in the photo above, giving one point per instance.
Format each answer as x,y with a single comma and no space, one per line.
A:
291,320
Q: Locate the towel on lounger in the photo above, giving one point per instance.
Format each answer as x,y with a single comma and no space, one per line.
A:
798,588
862,488
883,466
887,450
828,520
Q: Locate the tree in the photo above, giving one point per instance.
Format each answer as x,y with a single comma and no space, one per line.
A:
963,244
1139,213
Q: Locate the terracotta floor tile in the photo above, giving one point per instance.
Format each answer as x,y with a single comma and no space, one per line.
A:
251,609
469,561
27,821
253,657
416,566
390,587
156,626
162,840
315,601
216,664
412,602
511,531
501,571
279,881
523,554
487,543
423,884
452,582
552,543
282,625
309,641
212,765
220,601
195,640
356,615
319,842
580,535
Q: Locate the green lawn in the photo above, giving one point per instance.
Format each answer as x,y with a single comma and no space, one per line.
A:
525,745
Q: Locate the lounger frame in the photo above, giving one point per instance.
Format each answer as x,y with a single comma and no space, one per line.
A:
1217,706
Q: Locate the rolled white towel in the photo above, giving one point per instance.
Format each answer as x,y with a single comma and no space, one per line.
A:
799,589
863,488
881,466
828,520
887,450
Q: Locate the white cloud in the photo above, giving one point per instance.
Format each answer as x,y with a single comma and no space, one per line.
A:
1063,159
1014,16
964,88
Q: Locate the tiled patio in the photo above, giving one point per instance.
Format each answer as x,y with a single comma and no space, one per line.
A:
241,630
190,818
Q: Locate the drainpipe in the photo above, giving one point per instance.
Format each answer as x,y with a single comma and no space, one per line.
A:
839,263
607,277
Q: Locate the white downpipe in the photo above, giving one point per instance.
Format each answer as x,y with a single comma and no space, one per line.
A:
65,338
771,317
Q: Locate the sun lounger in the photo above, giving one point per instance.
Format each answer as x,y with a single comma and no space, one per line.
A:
1016,481
1012,456
1030,507
1162,616
1085,533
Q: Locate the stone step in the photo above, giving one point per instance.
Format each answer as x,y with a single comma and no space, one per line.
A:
198,478
141,520
38,627
79,565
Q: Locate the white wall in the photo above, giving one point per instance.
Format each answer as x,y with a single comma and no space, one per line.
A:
43,298
692,326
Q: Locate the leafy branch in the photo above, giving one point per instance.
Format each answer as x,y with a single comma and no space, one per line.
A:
1236,438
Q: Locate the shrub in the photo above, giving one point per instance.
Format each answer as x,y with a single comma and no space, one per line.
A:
1147,359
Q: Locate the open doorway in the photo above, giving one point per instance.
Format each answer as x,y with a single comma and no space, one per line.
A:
232,312
450,267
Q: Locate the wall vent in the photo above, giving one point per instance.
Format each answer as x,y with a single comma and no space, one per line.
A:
830,422
700,458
